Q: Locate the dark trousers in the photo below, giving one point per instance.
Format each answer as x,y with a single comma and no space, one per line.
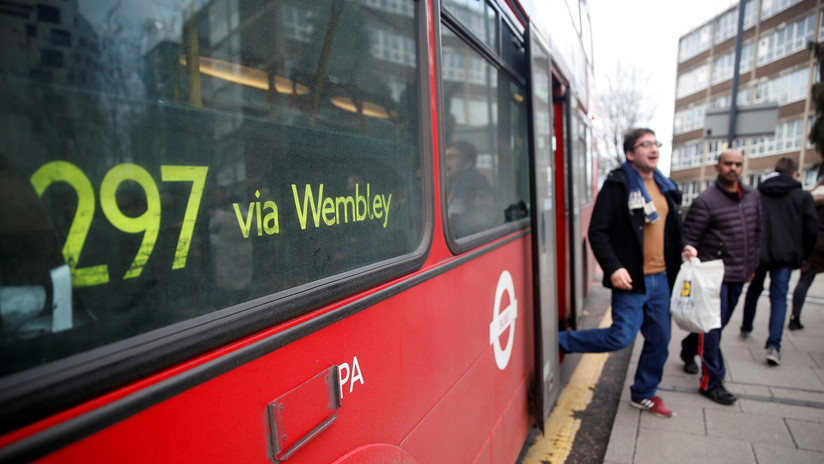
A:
708,345
800,292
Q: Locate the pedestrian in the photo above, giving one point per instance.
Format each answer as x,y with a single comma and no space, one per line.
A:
635,234
790,231
724,222
812,265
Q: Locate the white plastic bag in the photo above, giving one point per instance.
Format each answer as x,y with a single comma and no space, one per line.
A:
696,296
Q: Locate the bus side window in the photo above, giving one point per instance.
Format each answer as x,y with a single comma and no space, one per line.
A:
485,160
236,151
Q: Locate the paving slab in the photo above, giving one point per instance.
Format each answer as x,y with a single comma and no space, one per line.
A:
685,419
749,389
808,344
818,358
807,435
767,430
764,408
680,400
664,447
801,378
772,455
800,395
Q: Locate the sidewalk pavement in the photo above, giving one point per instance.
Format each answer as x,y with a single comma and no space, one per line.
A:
779,415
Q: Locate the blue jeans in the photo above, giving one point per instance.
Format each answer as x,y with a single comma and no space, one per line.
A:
779,286
708,345
647,312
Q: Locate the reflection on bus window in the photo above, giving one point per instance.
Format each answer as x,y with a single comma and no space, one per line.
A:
485,110
172,159
470,197
478,16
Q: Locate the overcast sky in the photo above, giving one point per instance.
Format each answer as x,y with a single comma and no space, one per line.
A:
645,33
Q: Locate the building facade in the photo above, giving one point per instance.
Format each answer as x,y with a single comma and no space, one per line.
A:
776,66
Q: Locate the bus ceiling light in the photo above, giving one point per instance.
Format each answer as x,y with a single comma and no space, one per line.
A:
244,75
370,109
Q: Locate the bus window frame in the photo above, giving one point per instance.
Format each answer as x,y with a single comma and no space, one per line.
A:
445,19
47,389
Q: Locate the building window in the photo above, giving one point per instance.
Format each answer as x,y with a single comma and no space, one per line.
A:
48,14
784,89
297,23
810,122
692,81
61,37
393,48
719,103
714,149
223,19
754,179
695,43
478,16
727,25
821,29
689,119
786,41
690,190
685,156
723,67
772,7
746,60
400,7
743,97
458,67
789,136
52,58
810,178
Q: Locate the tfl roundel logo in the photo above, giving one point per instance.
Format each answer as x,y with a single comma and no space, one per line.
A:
503,319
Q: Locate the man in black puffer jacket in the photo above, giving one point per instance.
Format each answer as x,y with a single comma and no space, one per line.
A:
724,222
790,230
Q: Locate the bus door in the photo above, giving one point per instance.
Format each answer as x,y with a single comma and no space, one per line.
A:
576,155
543,232
564,214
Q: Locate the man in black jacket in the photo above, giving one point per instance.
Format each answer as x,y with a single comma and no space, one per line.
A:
635,234
790,230
724,222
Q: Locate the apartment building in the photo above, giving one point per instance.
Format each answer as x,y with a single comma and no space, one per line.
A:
776,65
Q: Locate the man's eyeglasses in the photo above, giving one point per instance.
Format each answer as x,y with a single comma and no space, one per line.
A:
649,144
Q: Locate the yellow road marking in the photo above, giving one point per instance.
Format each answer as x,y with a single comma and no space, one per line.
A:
562,426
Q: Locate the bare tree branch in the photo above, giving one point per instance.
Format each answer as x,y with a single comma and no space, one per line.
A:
622,105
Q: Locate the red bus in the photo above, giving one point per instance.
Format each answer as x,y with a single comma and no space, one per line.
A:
264,231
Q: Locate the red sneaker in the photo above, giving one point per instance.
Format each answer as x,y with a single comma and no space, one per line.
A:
654,405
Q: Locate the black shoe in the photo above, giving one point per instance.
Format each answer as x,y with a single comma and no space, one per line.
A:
720,395
795,323
690,367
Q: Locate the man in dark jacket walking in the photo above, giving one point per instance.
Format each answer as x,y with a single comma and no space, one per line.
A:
790,230
635,234
724,222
